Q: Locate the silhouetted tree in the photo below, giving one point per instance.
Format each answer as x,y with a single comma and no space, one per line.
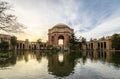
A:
83,40
13,41
103,38
39,40
8,22
91,39
75,43
4,45
116,41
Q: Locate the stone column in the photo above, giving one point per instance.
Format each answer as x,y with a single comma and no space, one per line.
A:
49,39
65,41
10,46
108,45
26,44
21,45
53,40
56,40
89,46
84,46
95,45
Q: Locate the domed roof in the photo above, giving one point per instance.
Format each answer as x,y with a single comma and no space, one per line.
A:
60,28
60,25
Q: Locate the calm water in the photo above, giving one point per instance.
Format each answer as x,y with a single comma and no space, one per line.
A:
61,65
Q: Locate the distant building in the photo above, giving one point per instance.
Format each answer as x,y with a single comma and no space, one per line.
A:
101,44
60,32
26,45
22,45
57,32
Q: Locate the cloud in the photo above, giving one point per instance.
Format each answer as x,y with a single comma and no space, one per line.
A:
40,15
105,29
99,18
89,18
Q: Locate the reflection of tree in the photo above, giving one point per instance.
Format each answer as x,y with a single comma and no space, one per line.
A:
17,56
13,60
26,56
20,55
116,59
10,60
38,56
84,57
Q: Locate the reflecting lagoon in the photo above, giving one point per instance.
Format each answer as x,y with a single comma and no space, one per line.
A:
61,65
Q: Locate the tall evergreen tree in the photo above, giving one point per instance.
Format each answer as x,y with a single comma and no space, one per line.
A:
4,45
116,41
13,41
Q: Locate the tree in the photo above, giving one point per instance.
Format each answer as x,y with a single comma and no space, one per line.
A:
39,40
103,38
116,41
73,39
83,40
8,22
4,45
74,43
13,41
91,39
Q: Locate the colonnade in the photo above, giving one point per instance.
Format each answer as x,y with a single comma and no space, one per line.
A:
98,44
26,45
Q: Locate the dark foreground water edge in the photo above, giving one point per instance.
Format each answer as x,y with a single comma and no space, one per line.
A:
61,65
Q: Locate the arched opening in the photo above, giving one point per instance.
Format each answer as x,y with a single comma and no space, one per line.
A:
61,59
104,45
101,45
29,47
91,45
98,45
20,45
23,46
17,45
34,47
61,41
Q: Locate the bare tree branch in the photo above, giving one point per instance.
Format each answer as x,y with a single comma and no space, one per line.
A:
8,22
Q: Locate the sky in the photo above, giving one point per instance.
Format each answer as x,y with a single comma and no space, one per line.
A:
88,18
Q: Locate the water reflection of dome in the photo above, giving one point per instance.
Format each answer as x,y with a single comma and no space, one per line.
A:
60,57
58,68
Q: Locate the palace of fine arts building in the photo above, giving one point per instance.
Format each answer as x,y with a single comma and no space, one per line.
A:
59,31
59,39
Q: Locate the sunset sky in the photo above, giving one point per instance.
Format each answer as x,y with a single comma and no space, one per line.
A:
88,18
